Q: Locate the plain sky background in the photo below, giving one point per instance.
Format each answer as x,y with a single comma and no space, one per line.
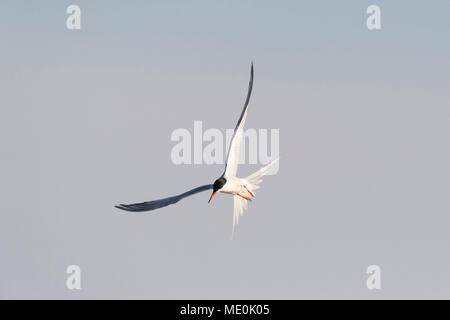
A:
86,118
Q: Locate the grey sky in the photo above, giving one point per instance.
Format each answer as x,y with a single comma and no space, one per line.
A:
86,118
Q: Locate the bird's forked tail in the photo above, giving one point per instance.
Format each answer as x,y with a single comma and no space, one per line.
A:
253,182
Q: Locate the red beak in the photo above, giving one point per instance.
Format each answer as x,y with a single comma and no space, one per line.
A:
212,196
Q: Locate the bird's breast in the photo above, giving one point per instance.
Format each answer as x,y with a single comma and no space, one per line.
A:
232,186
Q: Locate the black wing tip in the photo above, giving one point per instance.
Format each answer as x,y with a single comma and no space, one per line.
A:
127,207
122,207
138,207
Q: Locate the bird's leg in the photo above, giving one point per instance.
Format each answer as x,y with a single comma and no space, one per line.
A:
251,193
242,196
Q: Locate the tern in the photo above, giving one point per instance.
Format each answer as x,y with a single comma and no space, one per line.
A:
242,189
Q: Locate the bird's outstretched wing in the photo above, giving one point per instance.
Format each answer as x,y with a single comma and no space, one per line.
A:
233,152
156,204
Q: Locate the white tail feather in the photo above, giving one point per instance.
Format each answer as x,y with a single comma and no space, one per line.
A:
253,182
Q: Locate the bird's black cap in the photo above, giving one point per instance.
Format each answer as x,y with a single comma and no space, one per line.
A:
219,183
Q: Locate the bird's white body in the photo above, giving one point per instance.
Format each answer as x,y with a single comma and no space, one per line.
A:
234,185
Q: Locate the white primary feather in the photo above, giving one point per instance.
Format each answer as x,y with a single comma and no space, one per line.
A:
255,179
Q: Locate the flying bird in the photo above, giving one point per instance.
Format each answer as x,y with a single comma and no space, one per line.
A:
242,189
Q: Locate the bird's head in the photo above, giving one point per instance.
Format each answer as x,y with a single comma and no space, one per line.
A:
218,184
